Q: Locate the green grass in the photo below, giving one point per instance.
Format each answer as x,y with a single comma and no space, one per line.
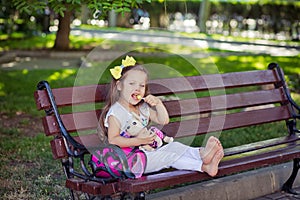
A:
24,43
17,87
27,168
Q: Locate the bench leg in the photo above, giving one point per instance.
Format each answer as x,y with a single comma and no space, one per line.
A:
288,185
72,194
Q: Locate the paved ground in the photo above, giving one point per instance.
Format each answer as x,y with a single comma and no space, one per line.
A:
260,184
58,60
280,196
258,47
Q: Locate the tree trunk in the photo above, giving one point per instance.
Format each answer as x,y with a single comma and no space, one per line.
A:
84,14
204,11
62,40
112,19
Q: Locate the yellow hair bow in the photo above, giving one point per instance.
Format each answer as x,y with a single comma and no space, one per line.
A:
117,70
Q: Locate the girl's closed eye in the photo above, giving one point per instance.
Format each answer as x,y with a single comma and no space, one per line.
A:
134,83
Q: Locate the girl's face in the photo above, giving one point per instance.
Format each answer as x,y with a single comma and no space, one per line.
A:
132,87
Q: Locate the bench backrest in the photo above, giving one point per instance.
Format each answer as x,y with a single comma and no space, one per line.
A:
196,105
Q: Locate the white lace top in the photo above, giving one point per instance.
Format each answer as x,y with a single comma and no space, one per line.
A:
162,157
124,116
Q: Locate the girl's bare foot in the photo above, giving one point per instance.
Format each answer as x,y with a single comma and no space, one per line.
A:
213,167
212,146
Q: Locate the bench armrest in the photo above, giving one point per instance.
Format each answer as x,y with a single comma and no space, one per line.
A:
294,108
44,85
78,150
285,88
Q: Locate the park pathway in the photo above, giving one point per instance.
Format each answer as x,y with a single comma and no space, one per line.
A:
51,60
258,47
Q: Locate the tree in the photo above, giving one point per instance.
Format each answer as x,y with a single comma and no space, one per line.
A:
203,14
64,9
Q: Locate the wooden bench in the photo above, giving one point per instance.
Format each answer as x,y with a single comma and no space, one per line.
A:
225,106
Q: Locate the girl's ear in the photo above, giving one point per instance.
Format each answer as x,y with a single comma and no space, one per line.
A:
118,84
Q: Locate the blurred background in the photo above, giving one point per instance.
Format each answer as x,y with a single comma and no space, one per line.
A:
265,19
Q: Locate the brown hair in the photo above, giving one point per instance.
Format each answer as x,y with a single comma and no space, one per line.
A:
113,97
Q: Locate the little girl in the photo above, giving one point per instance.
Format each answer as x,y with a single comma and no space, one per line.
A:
129,84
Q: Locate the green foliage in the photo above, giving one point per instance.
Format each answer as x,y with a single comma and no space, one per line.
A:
25,6
261,2
59,6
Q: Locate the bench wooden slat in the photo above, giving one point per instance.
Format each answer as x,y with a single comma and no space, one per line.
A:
74,183
168,179
96,188
73,122
230,101
211,81
72,95
58,148
90,141
288,153
89,119
91,187
97,93
225,122
261,145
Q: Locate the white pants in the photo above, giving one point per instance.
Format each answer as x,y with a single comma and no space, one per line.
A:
176,155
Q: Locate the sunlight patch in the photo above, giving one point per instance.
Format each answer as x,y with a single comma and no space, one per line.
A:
61,75
2,93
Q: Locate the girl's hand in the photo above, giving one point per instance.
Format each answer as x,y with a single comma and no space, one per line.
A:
146,140
158,112
152,100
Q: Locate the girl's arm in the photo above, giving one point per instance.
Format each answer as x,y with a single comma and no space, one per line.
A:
115,138
158,112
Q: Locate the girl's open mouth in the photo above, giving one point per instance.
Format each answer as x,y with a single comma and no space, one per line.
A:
136,97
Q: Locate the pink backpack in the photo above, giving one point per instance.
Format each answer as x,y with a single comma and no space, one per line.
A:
107,163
